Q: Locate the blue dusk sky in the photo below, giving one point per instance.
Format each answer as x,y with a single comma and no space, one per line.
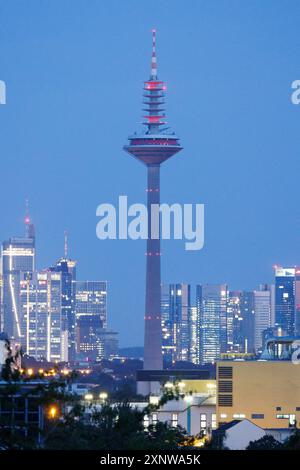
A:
74,71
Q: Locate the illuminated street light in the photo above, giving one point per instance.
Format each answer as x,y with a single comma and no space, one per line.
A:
53,412
88,397
103,396
30,372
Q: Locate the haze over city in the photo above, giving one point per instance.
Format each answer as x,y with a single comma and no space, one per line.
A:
74,74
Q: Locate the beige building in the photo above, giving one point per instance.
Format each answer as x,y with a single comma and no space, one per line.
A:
264,392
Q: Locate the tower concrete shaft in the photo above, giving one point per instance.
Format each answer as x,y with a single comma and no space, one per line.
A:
153,339
153,147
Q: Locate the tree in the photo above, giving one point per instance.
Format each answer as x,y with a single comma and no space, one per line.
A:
293,442
265,443
113,427
10,369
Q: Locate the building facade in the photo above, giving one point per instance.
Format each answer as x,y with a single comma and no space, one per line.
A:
211,302
18,259
176,322
287,294
41,314
67,268
91,317
262,315
264,392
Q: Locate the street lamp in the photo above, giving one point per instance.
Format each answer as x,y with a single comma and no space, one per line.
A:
88,397
103,396
53,412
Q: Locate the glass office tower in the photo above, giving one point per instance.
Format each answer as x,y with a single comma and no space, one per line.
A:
18,259
175,312
212,305
285,305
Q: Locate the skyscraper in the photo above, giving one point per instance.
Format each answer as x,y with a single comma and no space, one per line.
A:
153,147
41,314
212,305
176,311
234,321
262,314
67,268
240,322
247,324
91,300
286,308
18,256
194,336
91,317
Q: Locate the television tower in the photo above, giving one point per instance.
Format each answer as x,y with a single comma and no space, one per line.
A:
152,148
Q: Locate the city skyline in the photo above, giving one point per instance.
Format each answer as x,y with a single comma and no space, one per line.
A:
190,314
71,148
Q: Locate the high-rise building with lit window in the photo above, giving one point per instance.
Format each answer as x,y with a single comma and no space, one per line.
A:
262,314
247,324
175,311
240,322
91,315
194,336
41,314
67,268
212,311
18,257
234,320
287,297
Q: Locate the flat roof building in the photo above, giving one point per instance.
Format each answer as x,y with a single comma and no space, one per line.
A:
264,392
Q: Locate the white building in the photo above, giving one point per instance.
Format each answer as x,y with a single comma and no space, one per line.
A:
195,413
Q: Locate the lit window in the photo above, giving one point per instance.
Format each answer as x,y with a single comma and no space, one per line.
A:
154,418
203,422
174,420
223,415
146,421
292,420
239,416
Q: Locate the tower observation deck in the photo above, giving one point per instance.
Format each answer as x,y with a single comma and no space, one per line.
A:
152,147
